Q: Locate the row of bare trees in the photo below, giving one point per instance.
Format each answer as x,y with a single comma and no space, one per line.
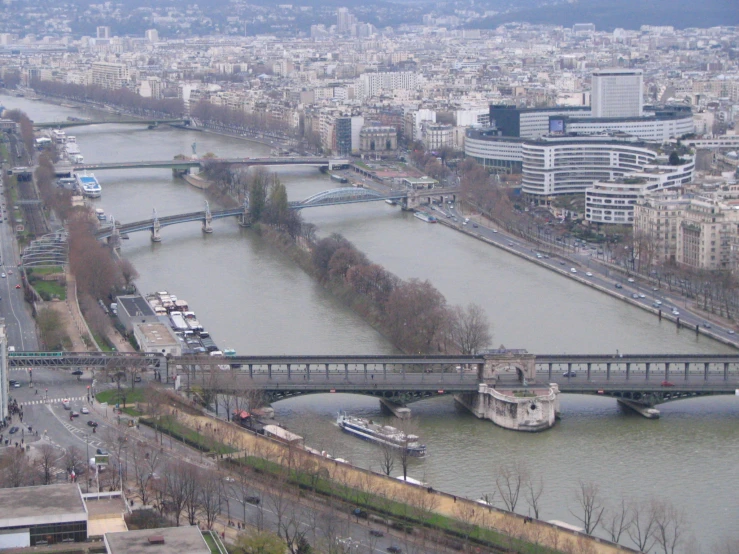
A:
414,313
123,97
258,121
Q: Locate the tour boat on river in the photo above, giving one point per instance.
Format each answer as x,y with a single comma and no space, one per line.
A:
382,434
423,216
89,185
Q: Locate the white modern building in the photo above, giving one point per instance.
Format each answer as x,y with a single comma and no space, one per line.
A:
613,202
617,93
554,166
496,153
372,84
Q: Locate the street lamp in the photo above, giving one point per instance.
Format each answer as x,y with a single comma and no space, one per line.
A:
87,460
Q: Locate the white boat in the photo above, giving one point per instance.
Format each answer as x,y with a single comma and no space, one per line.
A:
229,352
382,434
423,216
192,321
178,322
89,185
390,201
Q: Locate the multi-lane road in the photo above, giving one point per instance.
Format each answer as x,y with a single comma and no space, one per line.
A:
20,327
589,271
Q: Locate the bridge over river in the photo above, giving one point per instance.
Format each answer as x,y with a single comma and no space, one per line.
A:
409,199
639,380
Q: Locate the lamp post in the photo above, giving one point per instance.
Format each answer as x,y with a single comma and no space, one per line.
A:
87,460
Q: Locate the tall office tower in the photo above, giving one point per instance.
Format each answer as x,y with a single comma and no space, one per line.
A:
103,32
343,20
617,93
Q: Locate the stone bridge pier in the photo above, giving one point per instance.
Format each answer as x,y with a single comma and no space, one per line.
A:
520,404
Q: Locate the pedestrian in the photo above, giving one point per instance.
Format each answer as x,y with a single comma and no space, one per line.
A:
455,499
373,376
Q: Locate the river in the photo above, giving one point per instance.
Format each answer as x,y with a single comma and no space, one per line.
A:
257,301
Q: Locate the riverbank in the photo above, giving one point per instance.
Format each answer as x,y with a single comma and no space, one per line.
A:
708,332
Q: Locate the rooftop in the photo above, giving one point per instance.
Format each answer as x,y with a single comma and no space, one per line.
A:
170,540
60,500
135,305
157,334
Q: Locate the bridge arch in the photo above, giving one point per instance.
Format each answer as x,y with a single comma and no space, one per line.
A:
344,194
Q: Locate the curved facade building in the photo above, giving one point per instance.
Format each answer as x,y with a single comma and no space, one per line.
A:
613,202
502,154
569,165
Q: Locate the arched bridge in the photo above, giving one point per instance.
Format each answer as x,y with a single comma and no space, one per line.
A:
333,197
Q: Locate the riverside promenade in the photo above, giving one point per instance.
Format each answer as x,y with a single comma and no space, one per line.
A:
508,523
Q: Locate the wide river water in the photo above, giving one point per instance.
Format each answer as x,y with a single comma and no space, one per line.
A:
252,298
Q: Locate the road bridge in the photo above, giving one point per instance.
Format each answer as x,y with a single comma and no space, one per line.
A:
78,122
639,381
187,163
334,197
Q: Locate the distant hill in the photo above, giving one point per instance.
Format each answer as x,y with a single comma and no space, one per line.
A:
629,14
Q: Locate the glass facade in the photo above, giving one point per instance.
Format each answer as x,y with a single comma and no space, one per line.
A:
55,533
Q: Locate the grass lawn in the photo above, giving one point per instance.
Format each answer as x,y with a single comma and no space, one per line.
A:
177,431
45,270
111,395
210,541
52,288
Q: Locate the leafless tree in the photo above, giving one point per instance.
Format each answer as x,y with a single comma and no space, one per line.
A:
616,520
591,505
47,455
242,491
669,526
16,468
469,329
409,428
509,481
192,489
641,526
387,456
176,486
279,502
75,461
211,496
726,545
142,475
533,491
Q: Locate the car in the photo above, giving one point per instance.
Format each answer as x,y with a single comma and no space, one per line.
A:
464,223
656,305
495,231
730,331
102,452
10,272
229,479
587,273
569,374
635,296
675,312
510,244
3,275
573,270
641,295
561,263
137,379
12,382
667,384
630,279
84,410
17,286
618,285
376,533
91,423
475,225
74,414
394,550
658,302
13,430
253,500
16,385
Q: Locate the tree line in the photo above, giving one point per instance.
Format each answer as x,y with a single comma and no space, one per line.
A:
123,97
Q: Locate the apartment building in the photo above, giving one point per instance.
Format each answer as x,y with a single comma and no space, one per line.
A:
110,75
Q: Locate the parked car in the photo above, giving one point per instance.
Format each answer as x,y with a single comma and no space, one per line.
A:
394,550
74,414
84,410
667,384
618,286
376,533
92,423
13,430
569,374
253,499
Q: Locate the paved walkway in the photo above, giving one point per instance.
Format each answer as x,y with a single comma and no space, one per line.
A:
419,498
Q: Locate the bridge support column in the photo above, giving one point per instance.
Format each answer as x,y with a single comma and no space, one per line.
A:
251,371
648,367
641,409
269,371
528,414
346,371
398,410
687,369
705,371
608,371
550,371
726,371
667,371
208,221
628,370
289,371
568,370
